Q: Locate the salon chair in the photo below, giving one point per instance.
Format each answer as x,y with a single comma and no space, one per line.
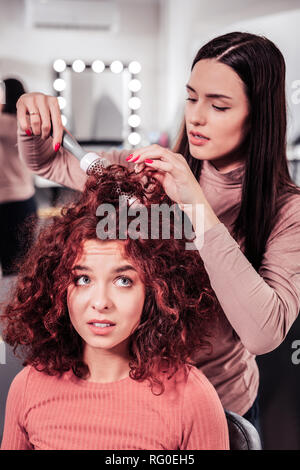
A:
242,434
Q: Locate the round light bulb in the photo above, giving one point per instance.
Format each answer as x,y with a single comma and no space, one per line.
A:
134,103
78,65
59,65
98,66
116,66
134,120
134,138
59,84
64,120
134,85
134,67
62,102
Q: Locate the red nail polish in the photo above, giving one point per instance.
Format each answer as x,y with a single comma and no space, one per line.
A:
28,132
57,147
129,157
148,160
135,159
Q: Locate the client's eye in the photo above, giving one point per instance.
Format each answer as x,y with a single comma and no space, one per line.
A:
79,278
125,278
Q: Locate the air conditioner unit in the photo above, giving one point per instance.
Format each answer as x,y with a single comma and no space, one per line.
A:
100,15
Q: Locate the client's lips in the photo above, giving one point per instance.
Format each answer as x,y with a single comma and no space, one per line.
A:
107,322
101,327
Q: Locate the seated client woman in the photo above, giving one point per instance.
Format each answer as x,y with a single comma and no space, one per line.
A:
106,328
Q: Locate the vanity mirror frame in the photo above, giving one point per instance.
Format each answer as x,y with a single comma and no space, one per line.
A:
131,133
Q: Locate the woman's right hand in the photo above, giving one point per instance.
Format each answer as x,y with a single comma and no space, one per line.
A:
38,114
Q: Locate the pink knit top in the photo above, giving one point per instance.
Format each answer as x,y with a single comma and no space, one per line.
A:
257,309
58,413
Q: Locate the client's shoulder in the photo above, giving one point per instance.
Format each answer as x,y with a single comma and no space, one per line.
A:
189,376
198,384
31,376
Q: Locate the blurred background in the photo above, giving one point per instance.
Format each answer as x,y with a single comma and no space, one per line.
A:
119,68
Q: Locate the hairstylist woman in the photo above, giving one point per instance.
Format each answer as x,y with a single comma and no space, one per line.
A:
17,201
230,157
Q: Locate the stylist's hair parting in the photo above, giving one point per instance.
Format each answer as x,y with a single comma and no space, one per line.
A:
267,182
180,306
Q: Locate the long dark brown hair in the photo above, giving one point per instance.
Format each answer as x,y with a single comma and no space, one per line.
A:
267,182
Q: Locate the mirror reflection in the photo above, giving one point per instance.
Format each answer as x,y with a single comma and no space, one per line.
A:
96,105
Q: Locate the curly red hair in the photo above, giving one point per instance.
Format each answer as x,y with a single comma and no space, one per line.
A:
180,306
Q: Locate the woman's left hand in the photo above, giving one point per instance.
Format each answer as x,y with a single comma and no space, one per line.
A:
172,171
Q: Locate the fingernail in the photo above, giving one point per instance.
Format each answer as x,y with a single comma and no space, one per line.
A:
135,159
148,160
57,146
129,157
28,132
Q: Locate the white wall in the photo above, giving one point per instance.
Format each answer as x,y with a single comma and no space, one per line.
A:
193,23
163,35
29,53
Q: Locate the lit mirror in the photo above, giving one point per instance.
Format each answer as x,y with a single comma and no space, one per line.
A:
98,101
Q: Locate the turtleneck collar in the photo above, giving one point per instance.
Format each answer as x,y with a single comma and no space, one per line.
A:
232,178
